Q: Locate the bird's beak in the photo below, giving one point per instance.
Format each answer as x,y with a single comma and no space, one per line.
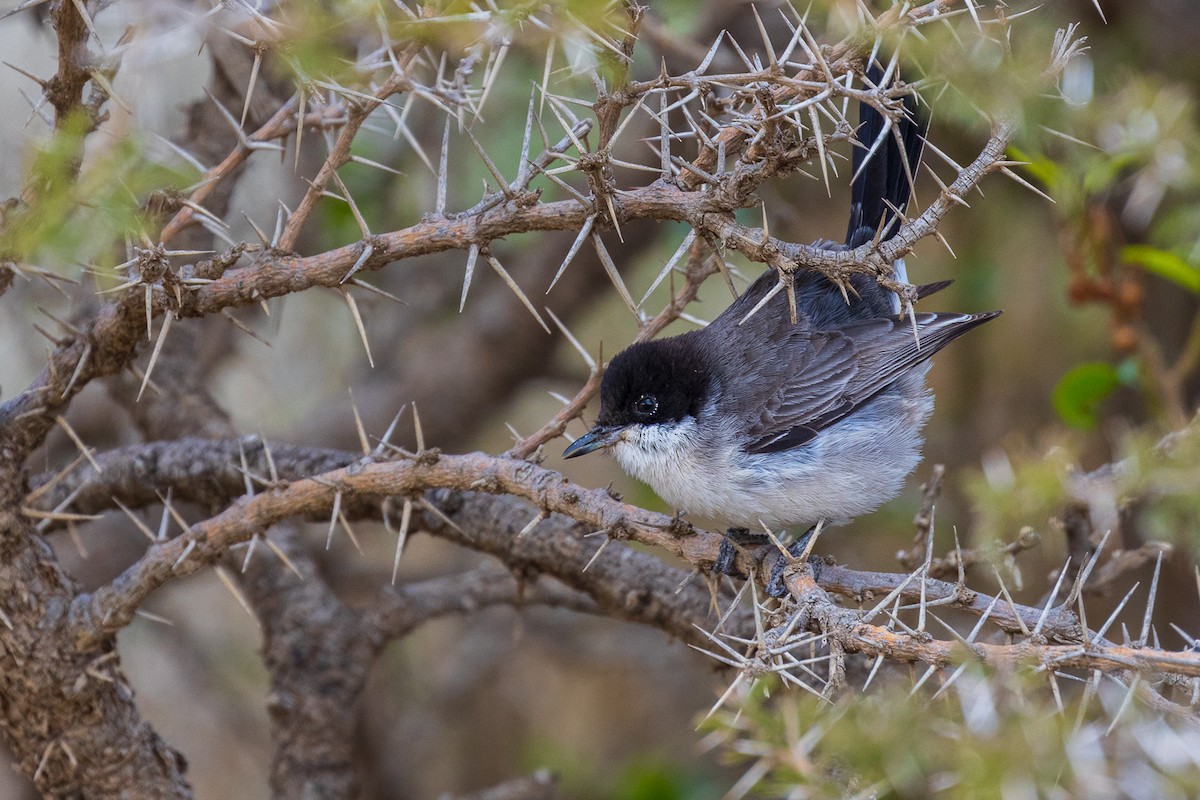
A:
597,438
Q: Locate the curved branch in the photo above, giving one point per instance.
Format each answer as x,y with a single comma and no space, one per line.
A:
624,583
110,340
399,610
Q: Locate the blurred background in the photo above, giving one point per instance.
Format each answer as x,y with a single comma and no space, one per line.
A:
1095,357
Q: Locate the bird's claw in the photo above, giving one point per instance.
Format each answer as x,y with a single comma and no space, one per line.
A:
726,563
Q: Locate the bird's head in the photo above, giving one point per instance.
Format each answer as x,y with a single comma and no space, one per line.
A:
657,383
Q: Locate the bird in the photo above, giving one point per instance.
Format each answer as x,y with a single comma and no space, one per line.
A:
764,423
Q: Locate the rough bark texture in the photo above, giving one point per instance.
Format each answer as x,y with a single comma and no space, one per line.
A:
69,714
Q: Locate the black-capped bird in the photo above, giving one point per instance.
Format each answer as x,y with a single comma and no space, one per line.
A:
758,421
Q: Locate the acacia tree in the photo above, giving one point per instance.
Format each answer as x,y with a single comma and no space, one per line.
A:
727,118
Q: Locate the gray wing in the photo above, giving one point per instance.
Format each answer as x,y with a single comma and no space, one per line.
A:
833,373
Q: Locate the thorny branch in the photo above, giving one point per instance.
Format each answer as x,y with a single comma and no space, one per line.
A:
538,524
109,341
111,607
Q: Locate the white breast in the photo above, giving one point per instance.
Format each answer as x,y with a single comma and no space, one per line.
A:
844,472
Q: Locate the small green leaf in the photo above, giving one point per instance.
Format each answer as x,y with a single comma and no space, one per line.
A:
1078,394
1165,264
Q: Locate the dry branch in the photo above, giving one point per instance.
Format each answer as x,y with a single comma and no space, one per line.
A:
111,607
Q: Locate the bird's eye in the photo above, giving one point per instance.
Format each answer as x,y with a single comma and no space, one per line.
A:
645,406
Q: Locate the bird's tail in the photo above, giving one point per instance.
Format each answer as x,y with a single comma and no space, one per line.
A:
883,171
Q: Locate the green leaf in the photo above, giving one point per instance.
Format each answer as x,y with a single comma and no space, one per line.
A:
1078,394
1165,264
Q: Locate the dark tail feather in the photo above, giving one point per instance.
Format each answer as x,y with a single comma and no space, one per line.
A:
926,289
885,178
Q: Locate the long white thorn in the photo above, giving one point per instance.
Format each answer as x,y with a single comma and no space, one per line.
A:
670,265
503,273
579,348
584,231
402,537
358,323
1150,601
472,257
611,268
162,337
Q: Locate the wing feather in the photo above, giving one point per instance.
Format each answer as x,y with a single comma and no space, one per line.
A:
833,373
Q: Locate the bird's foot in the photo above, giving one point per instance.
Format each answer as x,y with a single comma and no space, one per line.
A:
726,563
776,587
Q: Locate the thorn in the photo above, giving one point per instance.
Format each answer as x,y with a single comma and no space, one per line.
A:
249,553
153,617
664,141
250,93
628,118
1089,691
366,254
523,175
358,322
148,290
226,579
501,183
61,516
1133,686
443,172
613,274
187,551
1113,617
1050,600
164,521
892,595
302,96
141,526
596,554
437,512
376,290
333,518
1086,571
358,217
402,535
472,256
225,312
1021,181
345,523
728,692
418,431
385,441
1011,605
1150,600
87,21
762,30
533,523
776,289
671,262
579,348
499,268
41,83
358,425
83,449
489,80
584,231
612,217
282,556
83,359
50,484
162,337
